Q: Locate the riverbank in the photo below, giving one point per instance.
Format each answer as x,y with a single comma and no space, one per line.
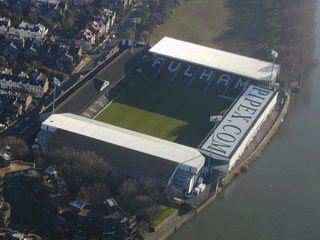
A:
280,191
254,29
175,222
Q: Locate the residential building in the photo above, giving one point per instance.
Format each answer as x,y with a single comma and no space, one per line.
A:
4,4
107,221
98,27
35,32
22,102
79,3
109,16
87,40
120,5
45,3
12,49
5,23
8,234
37,87
13,105
21,183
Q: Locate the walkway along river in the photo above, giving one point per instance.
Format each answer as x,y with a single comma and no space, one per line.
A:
279,197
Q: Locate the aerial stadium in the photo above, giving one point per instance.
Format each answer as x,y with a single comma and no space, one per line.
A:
158,126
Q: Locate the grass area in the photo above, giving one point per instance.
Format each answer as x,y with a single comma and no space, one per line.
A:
254,27
198,21
163,213
164,110
142,120
247,27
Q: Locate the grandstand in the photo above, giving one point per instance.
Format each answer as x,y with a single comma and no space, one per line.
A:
206,69
132,153
215,59
228,140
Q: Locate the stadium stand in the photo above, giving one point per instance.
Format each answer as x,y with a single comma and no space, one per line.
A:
229,139
134,154
203,78
195,76
160,67
185,75
227,62
237,86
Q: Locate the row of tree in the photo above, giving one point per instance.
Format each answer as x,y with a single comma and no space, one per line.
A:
90,177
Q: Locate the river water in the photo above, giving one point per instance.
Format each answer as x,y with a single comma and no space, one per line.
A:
279,197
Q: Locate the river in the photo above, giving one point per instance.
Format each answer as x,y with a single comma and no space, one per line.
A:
279,197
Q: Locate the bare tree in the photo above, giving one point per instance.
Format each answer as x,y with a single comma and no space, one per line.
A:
16,146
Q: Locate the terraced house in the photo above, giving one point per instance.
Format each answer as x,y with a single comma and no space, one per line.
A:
35,32
37,87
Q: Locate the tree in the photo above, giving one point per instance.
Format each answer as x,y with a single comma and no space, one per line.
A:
149,188
126,194
18,148
95,193
145,36
70,22
79,168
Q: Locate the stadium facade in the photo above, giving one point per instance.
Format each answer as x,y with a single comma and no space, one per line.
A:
247,82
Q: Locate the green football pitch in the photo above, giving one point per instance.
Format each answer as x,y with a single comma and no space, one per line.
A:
164,110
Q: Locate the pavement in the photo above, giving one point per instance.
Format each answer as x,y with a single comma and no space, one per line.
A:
81,65
166,229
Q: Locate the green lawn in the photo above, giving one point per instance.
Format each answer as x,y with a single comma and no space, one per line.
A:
198,21
164,212
164,110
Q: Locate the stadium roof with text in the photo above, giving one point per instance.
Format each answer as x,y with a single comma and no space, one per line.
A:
234,118
125,138
216,59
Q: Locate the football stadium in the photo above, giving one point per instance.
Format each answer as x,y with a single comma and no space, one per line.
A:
159,126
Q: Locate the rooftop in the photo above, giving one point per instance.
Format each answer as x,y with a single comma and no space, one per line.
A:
125,138
98,213
224,139
24,80
216,59
7,233
31,27
15,167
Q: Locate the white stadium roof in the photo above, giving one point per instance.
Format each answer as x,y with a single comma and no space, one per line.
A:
239,119
126,138
216,59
